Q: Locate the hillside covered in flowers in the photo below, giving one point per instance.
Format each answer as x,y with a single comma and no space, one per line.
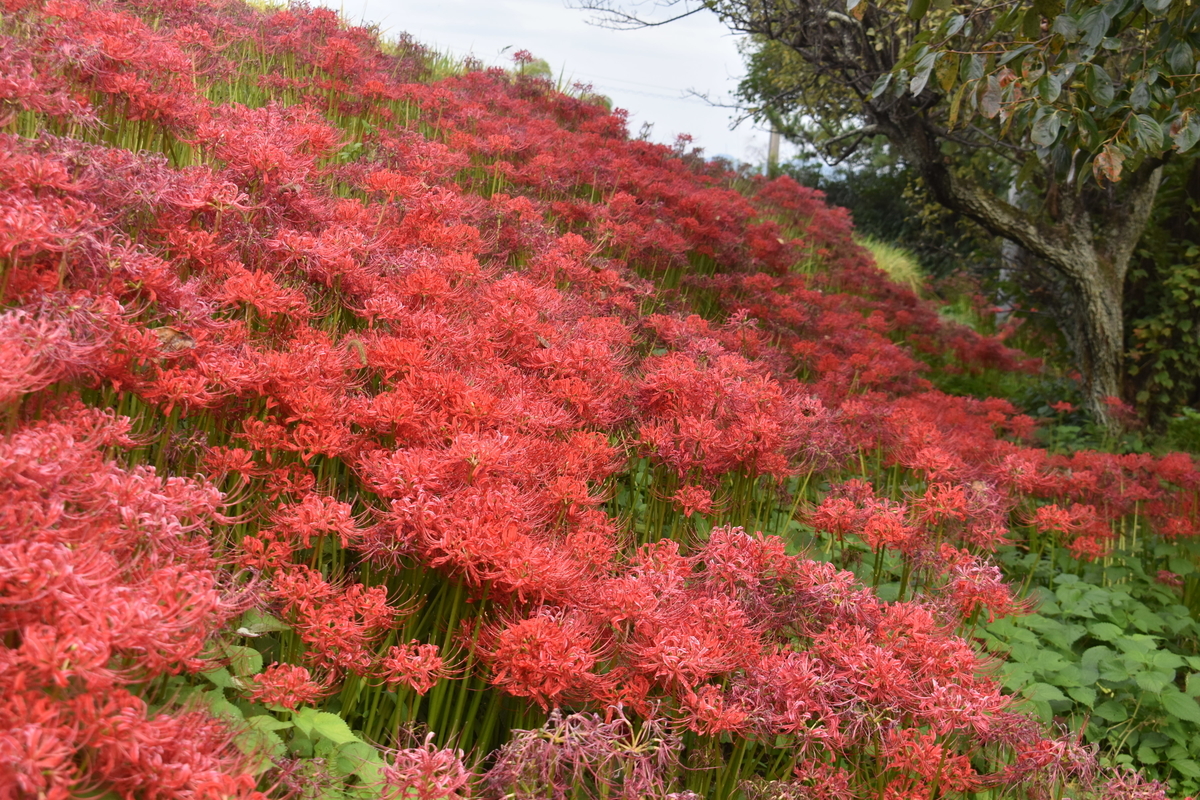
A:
379,429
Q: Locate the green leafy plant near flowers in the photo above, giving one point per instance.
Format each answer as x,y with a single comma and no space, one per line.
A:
1111,650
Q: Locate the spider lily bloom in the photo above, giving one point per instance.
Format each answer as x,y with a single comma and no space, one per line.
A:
418,665
426,773
286,685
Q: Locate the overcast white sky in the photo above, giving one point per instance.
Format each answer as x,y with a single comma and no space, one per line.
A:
648,72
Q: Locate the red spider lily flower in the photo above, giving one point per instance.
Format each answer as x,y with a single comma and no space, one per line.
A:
1168,578
426,773
913,753
976,585
418,665
37,760
338,625
546,658
316,515
710,712
286,685
703,637
941,503
886,526
693,500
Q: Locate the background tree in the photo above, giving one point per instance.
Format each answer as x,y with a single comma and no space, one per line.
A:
1082,100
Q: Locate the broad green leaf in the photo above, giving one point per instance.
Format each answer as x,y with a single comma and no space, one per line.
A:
1114,670
218,705
221,677
1014,54
977,67
1064,25
359,758
1089,663
1094,25
1154,680
1179,704
953,25
266,722
256,623
1112,711
1185,139
1065,637
1069,675
1046,126
1083,694
1145,619
1181,566
917,9
243,661
1015,676
1147,131
1139,98
263,743
923,70
1043,691
1180,59
1049,87
1158,7
1089,127
1138,645
1106,631
989,103
881,84
333,728
1099,85
1044,711
303,720
1166,660
1147,755
1186,766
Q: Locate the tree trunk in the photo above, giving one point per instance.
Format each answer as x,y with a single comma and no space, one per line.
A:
1096,334
1089,248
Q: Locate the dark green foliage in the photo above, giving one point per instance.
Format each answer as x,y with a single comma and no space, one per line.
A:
1112,650
888,202
1163,299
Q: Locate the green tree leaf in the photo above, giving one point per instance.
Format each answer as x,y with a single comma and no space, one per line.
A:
923,70
1046,126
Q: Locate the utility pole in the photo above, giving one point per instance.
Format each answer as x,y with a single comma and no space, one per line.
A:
773,154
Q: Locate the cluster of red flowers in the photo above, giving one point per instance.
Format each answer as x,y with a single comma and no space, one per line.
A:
417,332
107,582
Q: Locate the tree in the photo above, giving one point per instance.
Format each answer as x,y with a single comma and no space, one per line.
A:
1083,101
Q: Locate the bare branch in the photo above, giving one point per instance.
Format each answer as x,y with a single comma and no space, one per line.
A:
858,136
608,15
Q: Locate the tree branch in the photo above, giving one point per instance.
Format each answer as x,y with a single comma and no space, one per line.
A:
1142,184
610,16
